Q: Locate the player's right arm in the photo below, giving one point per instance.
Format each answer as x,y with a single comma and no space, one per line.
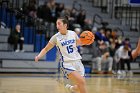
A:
48,47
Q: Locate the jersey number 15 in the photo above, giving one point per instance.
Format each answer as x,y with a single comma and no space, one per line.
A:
70,49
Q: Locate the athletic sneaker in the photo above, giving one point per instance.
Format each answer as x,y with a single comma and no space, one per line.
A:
119,72
17,50
69,88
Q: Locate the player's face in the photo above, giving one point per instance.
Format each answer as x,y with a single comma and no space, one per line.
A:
62,28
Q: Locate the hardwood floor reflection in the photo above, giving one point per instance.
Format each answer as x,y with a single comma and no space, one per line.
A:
43,83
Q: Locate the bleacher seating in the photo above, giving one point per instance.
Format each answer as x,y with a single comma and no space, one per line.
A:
11,61
18,56
35,42
8,47
27,66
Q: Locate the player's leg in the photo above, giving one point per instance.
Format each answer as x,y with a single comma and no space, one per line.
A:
136,52
79,81
75,71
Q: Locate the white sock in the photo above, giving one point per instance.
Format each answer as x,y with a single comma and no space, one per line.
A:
70,87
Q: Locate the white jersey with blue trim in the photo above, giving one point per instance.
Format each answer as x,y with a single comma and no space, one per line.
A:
66,45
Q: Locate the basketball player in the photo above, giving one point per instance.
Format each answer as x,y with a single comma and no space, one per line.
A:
66,41
136,51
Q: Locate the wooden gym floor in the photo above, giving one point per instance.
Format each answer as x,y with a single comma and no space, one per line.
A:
51,83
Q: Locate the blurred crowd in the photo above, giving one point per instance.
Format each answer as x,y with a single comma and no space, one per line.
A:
44,16
110,49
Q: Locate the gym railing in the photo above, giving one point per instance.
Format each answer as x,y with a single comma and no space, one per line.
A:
102,4
76,5
97,19
128,15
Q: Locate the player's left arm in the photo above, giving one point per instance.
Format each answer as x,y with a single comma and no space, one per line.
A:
78,41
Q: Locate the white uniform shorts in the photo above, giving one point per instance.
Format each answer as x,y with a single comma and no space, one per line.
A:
70,66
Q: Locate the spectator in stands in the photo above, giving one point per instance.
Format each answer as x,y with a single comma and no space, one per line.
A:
123,56
112,51
115,38
112,46
65,12
88,25
103,56
100,36
108,36
73,15
48,11
73,18
32,9
127,41
31,12
59,9
25,8
81,18
16,38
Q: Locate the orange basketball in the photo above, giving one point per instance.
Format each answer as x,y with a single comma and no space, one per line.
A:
87,37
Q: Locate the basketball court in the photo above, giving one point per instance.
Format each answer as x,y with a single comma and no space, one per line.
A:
20,74
54,83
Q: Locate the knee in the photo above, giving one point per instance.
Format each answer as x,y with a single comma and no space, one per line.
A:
81,82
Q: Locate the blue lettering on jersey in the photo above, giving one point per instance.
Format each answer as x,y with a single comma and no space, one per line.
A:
64,43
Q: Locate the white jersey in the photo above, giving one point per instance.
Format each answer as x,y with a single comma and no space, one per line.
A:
66,45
